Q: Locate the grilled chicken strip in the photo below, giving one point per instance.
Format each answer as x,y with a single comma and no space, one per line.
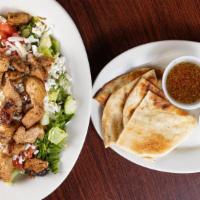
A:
6,167
6,133
36,90
22,136
33,116
19,64
18,18
11,94
4,63
35,166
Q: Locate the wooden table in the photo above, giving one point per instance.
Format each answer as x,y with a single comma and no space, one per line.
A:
109,27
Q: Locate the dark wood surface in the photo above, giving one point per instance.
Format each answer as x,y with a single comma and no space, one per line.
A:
109,27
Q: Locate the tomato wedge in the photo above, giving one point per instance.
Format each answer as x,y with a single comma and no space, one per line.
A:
7,28
3,35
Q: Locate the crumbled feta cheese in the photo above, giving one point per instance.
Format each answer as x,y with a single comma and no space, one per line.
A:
15,157
50,84
58,68
21,160
39,28
36,152
33,146
31,39
2,19
35,51
51,107
10,46
21,49
16,46
16,39
27,146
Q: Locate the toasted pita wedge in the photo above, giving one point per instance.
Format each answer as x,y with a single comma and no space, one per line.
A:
112,124
113,112
103,94
137,94
151,77
155,128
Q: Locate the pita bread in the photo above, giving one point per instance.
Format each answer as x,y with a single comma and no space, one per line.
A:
155,128
151,77
137,94
112,124
103,94
112,119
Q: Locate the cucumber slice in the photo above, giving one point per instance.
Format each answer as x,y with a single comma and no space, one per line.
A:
45,45
45,41
70,106
56,135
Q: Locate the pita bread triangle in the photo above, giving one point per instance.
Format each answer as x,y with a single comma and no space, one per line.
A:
138,93
103,94
155,128
112,118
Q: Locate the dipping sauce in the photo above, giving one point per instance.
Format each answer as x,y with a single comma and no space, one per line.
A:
183,83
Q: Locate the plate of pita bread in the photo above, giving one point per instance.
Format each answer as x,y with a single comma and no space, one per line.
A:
133,116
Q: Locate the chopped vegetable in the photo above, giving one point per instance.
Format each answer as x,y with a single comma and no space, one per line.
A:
60,119
50,152
53,94
64,82
55,46
3,35
26,30
15,174
62,95
49,46
7,28
70,106
56,135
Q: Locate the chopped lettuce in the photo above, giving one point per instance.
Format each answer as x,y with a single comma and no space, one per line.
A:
50,152
60,119
62,95
64,82
55,46
49,46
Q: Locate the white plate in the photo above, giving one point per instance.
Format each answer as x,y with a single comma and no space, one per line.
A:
73,49
186,157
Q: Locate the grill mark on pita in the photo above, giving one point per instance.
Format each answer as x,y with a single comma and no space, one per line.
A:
154,143
162,103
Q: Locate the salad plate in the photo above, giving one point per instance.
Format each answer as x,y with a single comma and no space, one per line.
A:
35,35
185,157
